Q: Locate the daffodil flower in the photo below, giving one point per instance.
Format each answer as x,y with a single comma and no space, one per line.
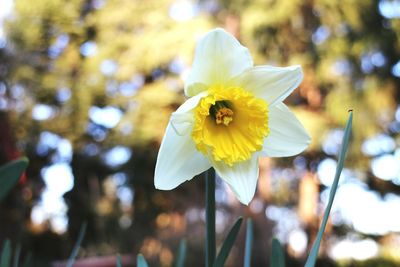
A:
234,116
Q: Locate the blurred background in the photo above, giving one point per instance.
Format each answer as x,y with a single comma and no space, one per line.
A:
86,90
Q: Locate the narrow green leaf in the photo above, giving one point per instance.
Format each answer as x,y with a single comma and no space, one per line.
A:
249,243
141,261
180,262
312,258
228,244
277,258
210,217
77,246
6,254
17,254
119,261
10,174
28,260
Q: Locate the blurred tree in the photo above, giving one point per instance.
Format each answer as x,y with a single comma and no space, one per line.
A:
102,77
72,66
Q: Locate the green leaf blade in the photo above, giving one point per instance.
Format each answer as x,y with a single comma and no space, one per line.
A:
180,262
10,174
228,244
5,260
210,217
277,258
28,260
312,258
77,246
119,261
141,261
249,243
17,254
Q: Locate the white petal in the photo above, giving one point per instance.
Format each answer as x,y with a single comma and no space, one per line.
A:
178,160
182,119
191,103
273,84
218,58
182,123
287,135
241,177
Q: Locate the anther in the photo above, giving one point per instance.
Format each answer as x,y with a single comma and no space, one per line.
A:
224,115
222,112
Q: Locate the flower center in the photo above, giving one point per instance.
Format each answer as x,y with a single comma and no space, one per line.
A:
230,124
221,112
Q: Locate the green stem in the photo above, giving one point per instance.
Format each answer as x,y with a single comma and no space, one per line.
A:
249,243
210,217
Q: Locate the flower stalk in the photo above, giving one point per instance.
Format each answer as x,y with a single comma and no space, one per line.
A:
210,217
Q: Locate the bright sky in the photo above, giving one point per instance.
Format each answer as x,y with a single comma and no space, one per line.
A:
6,8
182,10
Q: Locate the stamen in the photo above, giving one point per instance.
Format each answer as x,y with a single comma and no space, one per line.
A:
224,115
222,112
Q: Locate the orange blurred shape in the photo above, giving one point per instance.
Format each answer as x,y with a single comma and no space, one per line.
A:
151,247
174,220
264,186
308,198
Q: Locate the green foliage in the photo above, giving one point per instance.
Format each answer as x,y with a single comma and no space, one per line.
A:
5,260
286,32
210,217
141,261
277,255
77,245
345,143
249,243
228,244
181,255
28,260
119,261
6,254
10,174
17,254
37,29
